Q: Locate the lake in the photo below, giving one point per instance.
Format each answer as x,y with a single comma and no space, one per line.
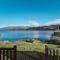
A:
13,35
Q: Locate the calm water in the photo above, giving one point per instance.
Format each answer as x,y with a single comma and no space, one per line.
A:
18,35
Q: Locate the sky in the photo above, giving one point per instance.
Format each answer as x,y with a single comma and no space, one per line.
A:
29,12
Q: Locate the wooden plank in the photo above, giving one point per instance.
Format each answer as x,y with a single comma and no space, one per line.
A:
46,52
50,57
15,52
3,54
11,56
6,48
53,54
57,55
0,54
7,53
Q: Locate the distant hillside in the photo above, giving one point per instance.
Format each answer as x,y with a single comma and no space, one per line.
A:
15,28
51,27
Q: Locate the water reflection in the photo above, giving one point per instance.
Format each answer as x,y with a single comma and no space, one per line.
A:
36,34
25,34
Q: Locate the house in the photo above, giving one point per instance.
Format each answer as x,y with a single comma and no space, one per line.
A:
56,36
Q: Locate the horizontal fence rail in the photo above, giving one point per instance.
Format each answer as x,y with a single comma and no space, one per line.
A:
8,53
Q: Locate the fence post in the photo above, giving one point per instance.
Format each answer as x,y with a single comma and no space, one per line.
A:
0,54
57,54
54,54
46,52
15,55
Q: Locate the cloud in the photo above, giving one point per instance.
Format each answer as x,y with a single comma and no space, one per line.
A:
33,23
53,22
57,21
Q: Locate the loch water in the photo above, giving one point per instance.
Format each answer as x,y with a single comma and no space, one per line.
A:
14,35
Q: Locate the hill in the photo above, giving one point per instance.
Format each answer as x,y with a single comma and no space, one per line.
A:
51,27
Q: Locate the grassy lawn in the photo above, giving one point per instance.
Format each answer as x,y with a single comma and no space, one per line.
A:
26,46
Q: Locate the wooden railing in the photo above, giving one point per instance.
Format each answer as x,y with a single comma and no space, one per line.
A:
8,53
51,53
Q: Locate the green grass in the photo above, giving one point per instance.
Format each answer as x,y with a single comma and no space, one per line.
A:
39,47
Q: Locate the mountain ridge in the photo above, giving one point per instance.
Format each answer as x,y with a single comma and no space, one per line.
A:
51,27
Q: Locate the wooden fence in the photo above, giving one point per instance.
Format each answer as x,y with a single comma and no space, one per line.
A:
8,53
52,53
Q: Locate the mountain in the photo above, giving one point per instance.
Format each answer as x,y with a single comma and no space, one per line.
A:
51,27
15,28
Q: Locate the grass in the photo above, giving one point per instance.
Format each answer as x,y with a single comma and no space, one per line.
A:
26,46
